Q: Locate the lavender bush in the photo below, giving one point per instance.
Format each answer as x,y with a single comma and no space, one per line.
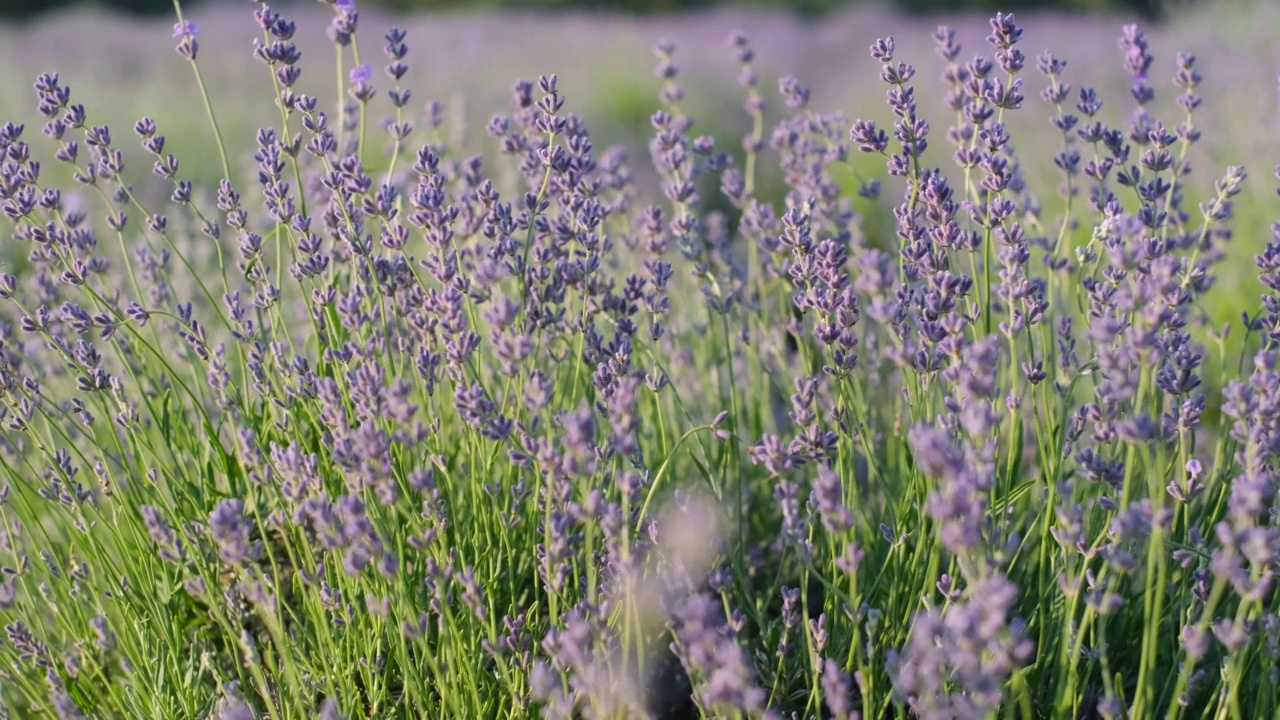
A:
390,429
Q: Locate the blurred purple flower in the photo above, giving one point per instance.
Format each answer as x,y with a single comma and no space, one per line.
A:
361,74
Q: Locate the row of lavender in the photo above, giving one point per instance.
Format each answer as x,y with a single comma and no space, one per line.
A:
396,434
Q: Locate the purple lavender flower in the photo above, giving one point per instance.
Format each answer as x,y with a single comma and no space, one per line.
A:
230,529
187,28
361,74
972,647
187,47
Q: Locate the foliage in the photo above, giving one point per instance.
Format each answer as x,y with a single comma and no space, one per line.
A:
411,434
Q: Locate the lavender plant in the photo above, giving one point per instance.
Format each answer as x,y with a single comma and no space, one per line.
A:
390,427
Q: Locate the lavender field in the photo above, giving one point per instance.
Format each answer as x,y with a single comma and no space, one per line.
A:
585,366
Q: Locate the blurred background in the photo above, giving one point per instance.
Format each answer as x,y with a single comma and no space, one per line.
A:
27,8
